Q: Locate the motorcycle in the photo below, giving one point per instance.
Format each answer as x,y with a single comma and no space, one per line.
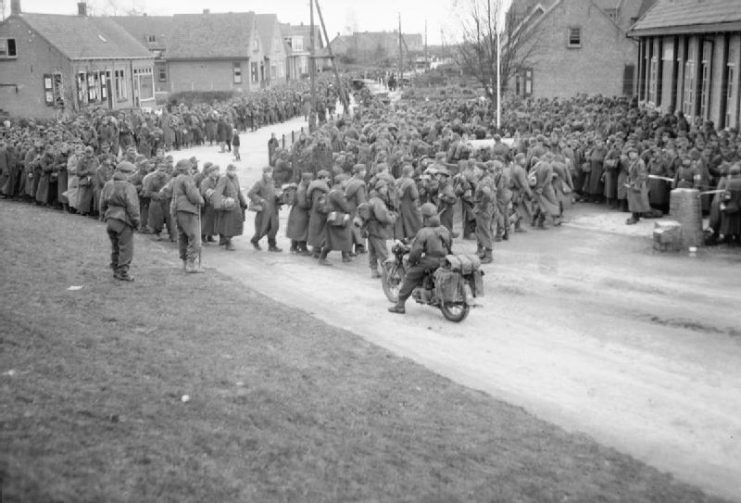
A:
452,287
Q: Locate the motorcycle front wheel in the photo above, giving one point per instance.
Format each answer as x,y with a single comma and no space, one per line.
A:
391,279
457,311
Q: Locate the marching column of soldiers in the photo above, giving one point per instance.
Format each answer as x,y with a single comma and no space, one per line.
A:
356,182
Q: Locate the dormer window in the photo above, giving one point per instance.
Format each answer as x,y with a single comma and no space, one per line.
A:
255,45
151,39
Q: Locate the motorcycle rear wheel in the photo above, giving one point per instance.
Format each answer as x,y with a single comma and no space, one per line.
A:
391,279
457,311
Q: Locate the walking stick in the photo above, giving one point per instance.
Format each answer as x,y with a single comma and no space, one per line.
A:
200,235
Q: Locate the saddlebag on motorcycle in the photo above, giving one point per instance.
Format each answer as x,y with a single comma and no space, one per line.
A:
449,285
466,265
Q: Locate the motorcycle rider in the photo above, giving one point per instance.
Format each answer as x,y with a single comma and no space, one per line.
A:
431,244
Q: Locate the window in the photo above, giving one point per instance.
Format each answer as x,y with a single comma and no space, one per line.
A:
7,48
524,82
298,43
162,73
144,83
255,45
92,87
707,58
612,14
151,39
289,42
58,90
731,91
120,84
104,86
653,80
48,90
574,37
237,72
253,72
273,72
81,88
688,107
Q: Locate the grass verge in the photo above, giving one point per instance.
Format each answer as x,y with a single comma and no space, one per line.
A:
282,407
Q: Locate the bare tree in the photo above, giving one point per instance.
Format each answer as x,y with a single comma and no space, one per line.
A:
477,54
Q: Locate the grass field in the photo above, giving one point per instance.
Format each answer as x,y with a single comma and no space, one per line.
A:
282,407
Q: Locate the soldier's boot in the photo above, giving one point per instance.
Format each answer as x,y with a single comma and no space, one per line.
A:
487,258
123,275
192,268
398,308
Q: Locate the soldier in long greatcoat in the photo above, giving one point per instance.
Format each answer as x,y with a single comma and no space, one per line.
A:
230,205
637,187
410,220
263,195
208,212
337,237
297,228
315,194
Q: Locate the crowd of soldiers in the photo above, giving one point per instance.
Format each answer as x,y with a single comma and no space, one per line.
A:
358,181
605,151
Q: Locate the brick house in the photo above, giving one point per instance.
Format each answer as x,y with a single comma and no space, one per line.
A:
54,64
367,46
215,52
574,47
298,40
154,33
690,57
275,51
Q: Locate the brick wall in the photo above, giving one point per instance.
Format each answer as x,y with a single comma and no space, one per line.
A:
208,76
35,58
597,67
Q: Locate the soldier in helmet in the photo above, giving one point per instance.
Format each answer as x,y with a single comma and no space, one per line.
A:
119,207
431,244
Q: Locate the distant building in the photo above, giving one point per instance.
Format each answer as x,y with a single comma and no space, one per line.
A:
239,51
298,41
690,57
51,64
215,52
274,49
154,33
367,46
575,47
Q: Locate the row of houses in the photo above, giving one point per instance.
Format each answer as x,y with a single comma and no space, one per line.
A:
674,55
51,63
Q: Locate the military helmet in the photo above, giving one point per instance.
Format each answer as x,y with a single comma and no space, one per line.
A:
428,210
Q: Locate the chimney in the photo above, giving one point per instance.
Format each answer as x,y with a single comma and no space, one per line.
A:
15,7
207,11
81,9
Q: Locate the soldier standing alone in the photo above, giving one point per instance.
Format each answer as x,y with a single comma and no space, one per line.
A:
119,205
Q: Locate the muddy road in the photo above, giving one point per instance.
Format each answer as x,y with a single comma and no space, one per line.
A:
583,326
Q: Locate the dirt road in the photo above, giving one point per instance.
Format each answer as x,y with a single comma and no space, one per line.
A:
588,329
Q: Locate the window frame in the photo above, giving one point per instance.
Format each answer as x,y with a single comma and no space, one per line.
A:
237,72
569,33
7,51
119,77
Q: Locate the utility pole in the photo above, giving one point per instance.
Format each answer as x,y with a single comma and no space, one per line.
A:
401,55
312,69
427,63
340,90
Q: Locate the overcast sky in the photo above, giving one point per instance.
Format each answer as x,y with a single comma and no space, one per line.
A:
341,16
